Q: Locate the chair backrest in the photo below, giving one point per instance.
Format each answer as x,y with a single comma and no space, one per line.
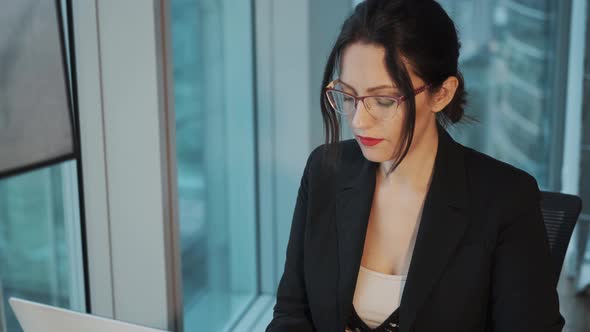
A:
560,213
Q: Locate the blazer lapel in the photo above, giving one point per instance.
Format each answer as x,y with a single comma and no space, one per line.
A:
443,222
353,206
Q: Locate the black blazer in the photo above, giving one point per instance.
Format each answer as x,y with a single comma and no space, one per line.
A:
480,261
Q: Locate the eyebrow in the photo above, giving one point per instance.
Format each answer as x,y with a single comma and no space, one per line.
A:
375,88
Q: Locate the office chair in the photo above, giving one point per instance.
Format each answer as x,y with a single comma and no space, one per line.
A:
560,214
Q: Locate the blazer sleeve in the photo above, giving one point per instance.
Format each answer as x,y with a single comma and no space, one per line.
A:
291,311
524,296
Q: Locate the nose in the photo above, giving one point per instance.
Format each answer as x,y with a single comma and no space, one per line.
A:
361,118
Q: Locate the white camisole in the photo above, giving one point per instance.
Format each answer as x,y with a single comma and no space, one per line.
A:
377,295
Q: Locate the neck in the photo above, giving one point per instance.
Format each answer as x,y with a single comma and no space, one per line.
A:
416,168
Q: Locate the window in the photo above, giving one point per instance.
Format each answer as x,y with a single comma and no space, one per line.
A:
515,75
40,225
40,251
214,105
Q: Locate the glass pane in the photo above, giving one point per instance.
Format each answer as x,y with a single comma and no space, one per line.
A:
215,153
40,248
509,61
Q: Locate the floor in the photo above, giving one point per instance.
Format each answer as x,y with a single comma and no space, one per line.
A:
575,309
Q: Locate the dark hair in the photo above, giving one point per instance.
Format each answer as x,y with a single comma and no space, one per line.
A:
420,31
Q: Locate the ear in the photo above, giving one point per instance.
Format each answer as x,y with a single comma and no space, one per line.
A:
445,94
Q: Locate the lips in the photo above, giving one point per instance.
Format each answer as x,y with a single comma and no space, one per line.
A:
369,141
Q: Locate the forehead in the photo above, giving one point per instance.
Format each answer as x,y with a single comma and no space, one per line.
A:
362,65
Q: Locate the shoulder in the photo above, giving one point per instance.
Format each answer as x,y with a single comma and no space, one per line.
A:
496,172
499,183
480,166
323,170
319,163
490,179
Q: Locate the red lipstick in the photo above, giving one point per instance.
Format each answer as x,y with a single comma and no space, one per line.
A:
369,141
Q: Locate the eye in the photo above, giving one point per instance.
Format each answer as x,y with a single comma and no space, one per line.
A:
385,102
348,99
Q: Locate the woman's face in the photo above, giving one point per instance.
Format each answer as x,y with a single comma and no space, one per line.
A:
363,72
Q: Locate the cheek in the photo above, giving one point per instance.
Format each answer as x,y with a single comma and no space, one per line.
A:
422,115
392,129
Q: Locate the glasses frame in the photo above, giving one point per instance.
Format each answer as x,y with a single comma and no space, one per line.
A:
398,99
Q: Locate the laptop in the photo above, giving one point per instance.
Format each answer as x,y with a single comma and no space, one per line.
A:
37,317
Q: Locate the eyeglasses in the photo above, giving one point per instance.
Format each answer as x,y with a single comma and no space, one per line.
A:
380,107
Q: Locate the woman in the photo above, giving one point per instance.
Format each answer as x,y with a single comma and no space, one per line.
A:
403,228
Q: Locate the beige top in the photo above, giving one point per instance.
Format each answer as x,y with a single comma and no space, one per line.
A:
377,295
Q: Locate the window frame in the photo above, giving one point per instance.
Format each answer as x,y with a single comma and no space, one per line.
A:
131,278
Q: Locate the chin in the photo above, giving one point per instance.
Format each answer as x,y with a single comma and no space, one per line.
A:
374,153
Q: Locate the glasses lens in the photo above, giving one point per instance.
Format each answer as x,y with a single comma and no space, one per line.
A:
341,102
381,107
